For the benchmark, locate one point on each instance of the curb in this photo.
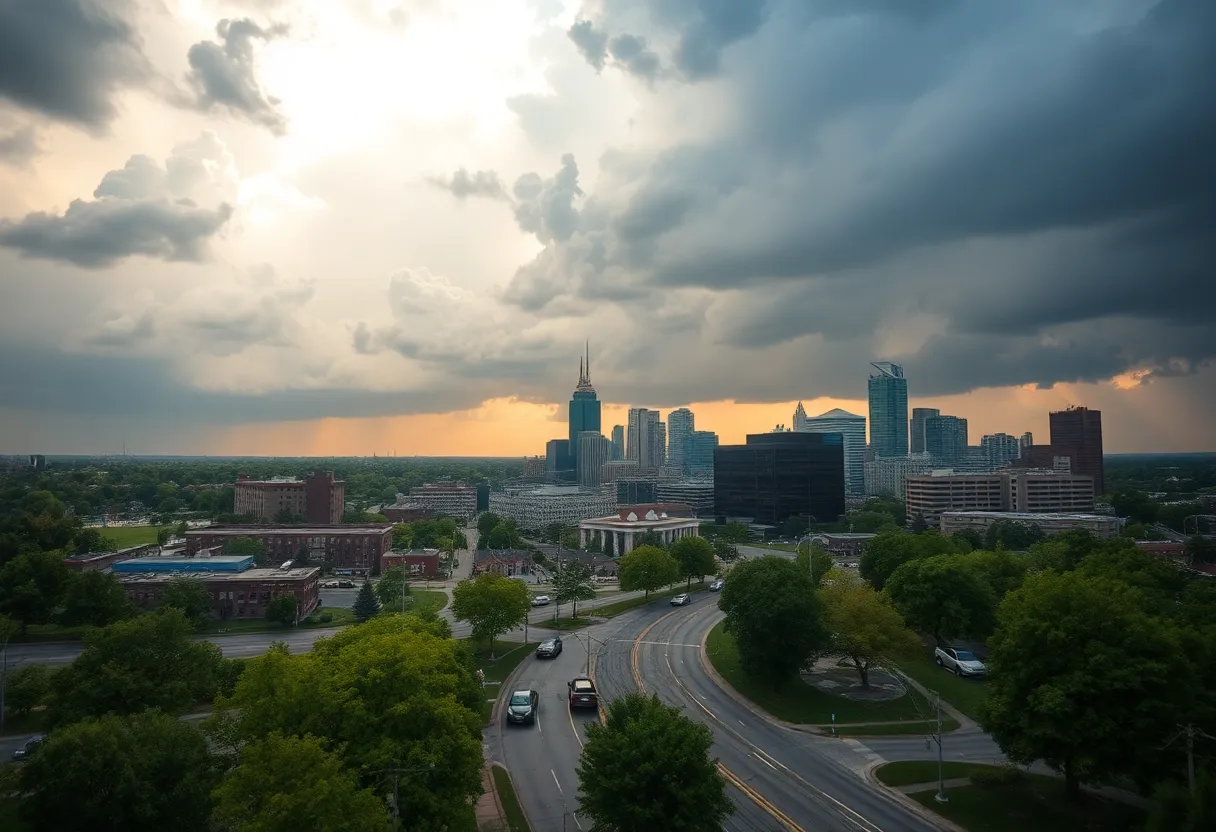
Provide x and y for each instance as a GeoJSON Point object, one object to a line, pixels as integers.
{"type": "Point", "coordinates": [502, 815]}
{"type": "Point", "coordinates": [908, 803]}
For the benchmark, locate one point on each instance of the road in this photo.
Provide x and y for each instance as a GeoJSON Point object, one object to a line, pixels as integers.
{"type": "Point", "coordinates": [780, 779]}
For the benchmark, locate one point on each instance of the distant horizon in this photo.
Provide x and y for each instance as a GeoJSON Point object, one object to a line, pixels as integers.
{"type": "Point", "coordinates": [241, 457]}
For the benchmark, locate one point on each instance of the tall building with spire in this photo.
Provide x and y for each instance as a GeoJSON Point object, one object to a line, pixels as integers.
{"type": "Point", "coordinates": [584, 406]}
{"type": "Point", "coordinates": [799, 417]}
{"type": "Point", "coordinates": [888, 390]}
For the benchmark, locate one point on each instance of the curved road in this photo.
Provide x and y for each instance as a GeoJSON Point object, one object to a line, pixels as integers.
{"type": "Point", "coordinates": [779, 778]}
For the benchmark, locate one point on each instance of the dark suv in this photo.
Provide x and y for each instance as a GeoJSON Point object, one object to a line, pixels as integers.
{"type": "Point", "coordinates": [550, 648]}
{"type": "Point", "coordinates": [521, 708]}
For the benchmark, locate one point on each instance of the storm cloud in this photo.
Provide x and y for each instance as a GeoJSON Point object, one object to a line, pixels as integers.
{"type": "Point", "coordinates": [222, 74]}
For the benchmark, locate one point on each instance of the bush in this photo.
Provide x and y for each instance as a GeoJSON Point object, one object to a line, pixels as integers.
{"type": "Point", "coordinates": [309, 620]}
{"type": "Point", "coordinates": [987, 778]}
{"type": "Point", "coordinates": [326, 617]}
{"type": "Point", "coordinates": [230, 671]}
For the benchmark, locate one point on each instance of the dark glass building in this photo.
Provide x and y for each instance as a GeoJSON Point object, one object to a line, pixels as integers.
{"type": "Point", "coordinates": [945, 438]}
{"type": "Point", "coordinates": [1080, 429]}
{"type": "Point", "coordinates": [888, 390]}
{"type": "Point", "coordinates": [776, 476]}
{"type": "Point", "coordinates": [584, 408]}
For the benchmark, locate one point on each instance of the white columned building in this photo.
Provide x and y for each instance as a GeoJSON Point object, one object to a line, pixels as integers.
{"type": "Point", "coordinates": [619, 533]}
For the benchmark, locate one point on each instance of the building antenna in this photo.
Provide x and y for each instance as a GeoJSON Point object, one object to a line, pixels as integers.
{"type": "Point", "coordinates": [588, 345]}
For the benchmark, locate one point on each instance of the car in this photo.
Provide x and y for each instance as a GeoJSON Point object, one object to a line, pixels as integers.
{"type": "Point", "coordinates": [540, 601]}
{"type": "Point", "coordinates": [27, 750]}
{"type": "Point", "coordinates": [717, 585]}
{"type": "Point", "coordinates": [550, 648]}
{"type": "Point", "coordinates": [962, 662]}
{"type": "Point", "coordinates": [329, 584]}
{"type": "Point", "coordinates": [582, 693]}
{"type": "Point", "coordinates": [680, 600]}
{"type": "Point", "coordinates": [346, 584]}
{"type": "Point", "coordinates": [522, 706]}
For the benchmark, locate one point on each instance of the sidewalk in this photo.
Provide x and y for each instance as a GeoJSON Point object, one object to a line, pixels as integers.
{"type": "Point", "coordinates": [488, 811]}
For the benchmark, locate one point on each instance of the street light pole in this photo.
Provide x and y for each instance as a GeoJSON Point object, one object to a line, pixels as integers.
{"type": "Point", "coordinates": [940, 797]}
{"type": "Point", "coordinates": [396, 773]}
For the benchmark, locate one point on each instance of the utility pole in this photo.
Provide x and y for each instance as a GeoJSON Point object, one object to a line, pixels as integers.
{"type": "Point", "coordinates": [940, 797]}
{"type": "Point", "coordinates": [396, 773]}
{"type": "Point", "coordinates": [1191, 732]}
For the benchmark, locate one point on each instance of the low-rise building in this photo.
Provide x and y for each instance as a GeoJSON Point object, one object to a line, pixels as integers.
{"type": "Point", "coordinates": [697, 493]}
{"type": "Point", "coordinates": [887, 476]}
{"type": "Point", "coordinates": [318, 499]}
{"type": "Point", "coordinates": [1014, 490]}
{"type": "Point", "coordinates": [1174, 550]}
{"type": "Point", "coordinates": [406, 511]}
{"type": "Point", "coordinates": [618, 534]}
{"type": "Point", "coordinates": [1099, 525]}
{"type": "Point", "coordinates": [352, 549]}
{"type": "Point", "coordinates": [447, 499]}
{"type": "Point", "coordinates": [237, 589]}
{"type": "Point", "coordinates": [537, 507]}
{"type": "Point", "coordinates": [844, 544]}
{"type": "Point", "coordinates": [418, 563]}
{"type": "Point", "coordinates": [928, 495]}
{"type": "Point", "coordinates": [101, 561]}
{"type": "Point", "coordinates": [507, 562]}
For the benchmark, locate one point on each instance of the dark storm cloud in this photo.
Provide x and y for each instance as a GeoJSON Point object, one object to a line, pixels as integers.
{"type": "Point", "coordinates": [68, 58]}
{"type": "Point", "coordinates": [1011, 169]}
{"type": "Point", "coordinates": [545, 207]}
{"type": "Point", "coordinates": [482, 183]}
{"type": "Point", "coordinates": [634, 56]}
{"type": "Point", "coordinates": [222, 74]}
{"type": "Point", "coordinates": [592, 43]}
{"type": "Point", "coordinates": [18, 146]}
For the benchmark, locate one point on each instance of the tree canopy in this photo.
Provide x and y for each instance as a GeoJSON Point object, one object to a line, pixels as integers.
{"type": "Point", "coordinates": [283, 609]}
{"type": "Point", "coordinates": [1081, 678]}
{"type": "Point", "coordinates": [648, 767]}
{"type": "Point", "coordinates": [144, 772]}
{"type": "Point", "coordinates": [32, 586]}
{"type": "Point", "coordinates": [1012, 534]}
{"type": "Point", "coordinates": [366, 603]}
{"type": "Point", "coordinates": [492, 605]}
{"type": "Point", "coordinates": [191, 596]}
{"type": "Point", "coordinates": [285, 784]}
{"type": "Point", "coordinates": [572, 583]}
{"type": "Point", "coordinates": [150, 661]}
{"type": "Point", "coordinates": [942, 597]}
{"type": "Point", "coordinates": [695, 557]}
{"type": "Point", "coordinates": [890, 550]}
{"type": "Point", "coordinates": [393, 588]}
{"type": "Point", "coordinates": [775, 617]}
{"type": "Point", "coordinates": [648, 568]}
{"type": "Point", "coordinates": [95, 599]}
{"type": "Point", "coordinates": [248, 547]}
{"type": "Point", "coordinates": [865, 626]}
{"type": "Point", "coordinates": [819, 559]}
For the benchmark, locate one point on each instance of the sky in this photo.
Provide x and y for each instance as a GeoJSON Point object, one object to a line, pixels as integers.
{"type": "Point", "coordinates": [345, 227]}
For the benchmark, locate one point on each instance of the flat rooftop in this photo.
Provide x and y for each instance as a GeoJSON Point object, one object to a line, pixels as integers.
{"type": "Point", "coordinates": [297, 574]}
{"type": "Point", "coordinates": [251, 530]}
{"type": "Point", "coordinates": [219, 563]}
{"type": "Point", "coordinates": [1025, 515]}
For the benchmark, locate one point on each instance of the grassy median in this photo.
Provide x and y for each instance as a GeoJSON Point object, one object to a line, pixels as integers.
{"type": "Point", "coordinates": [967, 695]}
{"type": "Point", "coordinates": [516, 821]}
{"type": "Point", "coordinates": [618, 607]}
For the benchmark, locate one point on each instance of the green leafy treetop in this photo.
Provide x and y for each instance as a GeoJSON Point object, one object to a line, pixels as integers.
{"type": "Point", "coordinates": [775, 617]}
{"type": "Point", "coordinates": [492, 604]}
{"type": "Point", "coordinates": [820, 564]}
{"type": "Point", "coordinates": [650, 538]}
{"type": "Point", "coordinates": [95, 599]}
{"type": "Point", "coordinates": [1082, 679]}
{"type": "Point", "coordinates": [648, 568]}
{"type": "Point", "coordinates": [290, 783]}
{"type": "Point", "coordinates": [648, 767]}
{"type": "Point", "coordinates": [695, 556]}
{"type": "Point", "coordinates": [248, 547]}
{"type": "Point", "coordinates": [393, 588]}
{"type": "Point", "coordinates": [866, 628]}
{"type": "Point", "coordinates": [391, 693]}
{"type": "Point", "coordinates": [32, 586]}
{"type": "Point", "coordinates": [943, 596]}
{"type": "Point", "coordinates": [572, 583]}
{"type": "Point", "coordinates": [283, 609]}
{"type": "Point", "coordinates": [887, 551]}
{"type": "Point", "coordinates": [191, 596]}
{"type": "Point", "coordinates": [142, 772]}
{"type": "Point", "coordinates": [366, 603]}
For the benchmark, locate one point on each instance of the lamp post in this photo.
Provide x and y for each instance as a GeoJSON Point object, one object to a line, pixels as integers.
{"type": "Point", "coordinates": [810, 560]}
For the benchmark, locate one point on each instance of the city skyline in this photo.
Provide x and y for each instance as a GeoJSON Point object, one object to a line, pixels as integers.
{"type": "Point", "coordinates": [341, 228]}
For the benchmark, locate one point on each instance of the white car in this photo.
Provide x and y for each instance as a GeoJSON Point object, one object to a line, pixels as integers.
{"type": "Point", "coordinates": [962, 662]}
{"type": "Point", "coordinates": [680, 600]}
{"type": "Point", "coordinates": [540, 601]}
{"type": "Point", "coordinates": [717, 585]}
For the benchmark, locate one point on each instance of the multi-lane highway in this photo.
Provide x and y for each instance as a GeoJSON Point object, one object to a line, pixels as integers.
{"type": "Point", "coordinates": [779, 778]}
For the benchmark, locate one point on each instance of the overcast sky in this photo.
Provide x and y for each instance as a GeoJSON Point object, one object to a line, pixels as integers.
{"type": "Point", "coordinates": [356, 226]}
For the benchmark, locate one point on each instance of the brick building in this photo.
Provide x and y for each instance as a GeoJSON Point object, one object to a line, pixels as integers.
{"type": "Point", "coordinates": [346, 549]}
{"type": "Point", "coordinates": [237, 590]}
{"type": "Point", "coordinates": [420, 563]}
{"type": "Point", "coordinates": [509, 562]}
{"type": "Point", "coordinates": [101, 561]}
{"type": "Point", "coordinates": [405, 511]}
{"type": "Point", "coordinates": [447, 499]}
{"type": "Point", "coordinates": [317, 499]}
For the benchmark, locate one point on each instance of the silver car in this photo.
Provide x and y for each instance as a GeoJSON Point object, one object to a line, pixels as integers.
{"type": "Point", "coordinates": [717, 585]}
{"type": "Point", "coordinates": [680, 600]}
{"type": "Point", "coordinates": [962, 662]}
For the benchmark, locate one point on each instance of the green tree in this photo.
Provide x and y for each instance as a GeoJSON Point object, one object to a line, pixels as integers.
{"type": "Point", "coordinates": [775, 617]}
{"type": "Point", "coordinates": [151, 661]}
{"type": "Point", "coordinates": [284, 784]}
{"type": "Point", "coordinates": [661, 759]}
{"type": "Point", "coordinates": [1012, 534]}
{"type": "Point", "coordinates": [486, 521]}
{"type": "Point", "coordinates": [247, 547]}
{"type": "Point", "coordinates": [492, 605]}
{"type": "Point", "coordinates": [191, 596]}
{"type": "Point", "coordinates": [971, 537]}
{"type": "Point", "coordinates": [568, 539]}
{"type": "Point", "coordinates": [942, 597]}
{"type": "Point", "coordinates": [1161, 581]}
{"type": "Point", "coordinates": [32, 587]}
{"type": "Point", "coordinates": [1003, 571]}
{"type": "Point", "coordinates": [403, 536]}
{"type": "Point", "coordinates": [822, 560]}
{"type": "Point", "coordinates": [395, 692]}
{"type": "Point", "coordinates": [650, 538]}
{"type": "Point", "coordinates": [26, 688]}
{"type": "Point", "coordinates": [393, 588]}
{"type": "Point", "coordinates": [725, 550]}
{"type": "Point", "coordinates": [145, 771]}
{"type": "Point", "coordinates": [95, 599]}
{"type": "Point", "coordinates": [1178, 810]}
{"type": "Point", "coordinates": [91, 540]}
{"type": "Point", "coordinates": [890, 550]}
{"type": "Point", "coordinates": [695, 556]}
{"type": "Point", "coordinates": [504, 536]}
{"type": "Point", "coordinates": [572, 584]}
{"type": "Point", "coordinates": [367, 605]}
{"type": "Point", "coordinates": [866, 628]}
{"type": "Point", "coordinates": [1063, 552]}
{"type": "Point", "coordinates": [1081, 678]}
{"type": "Point", "coordinates": [648, 568]}
{"type": "Point", "coordinates": [163, 536]}
{"type": "Point", "coordinates": [283, 609]}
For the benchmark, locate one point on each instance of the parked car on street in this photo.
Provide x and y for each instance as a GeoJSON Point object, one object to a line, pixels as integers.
{"type": "Point", "coordinates": [680, 600]}
{"type": "Point", "coordinates": [550, 648]}
{"type": "Point", "coordinates": [582, 693]}
{"type": "Point", "coordinates": [961, 662]}
{"type": "Point", "coordinates": [522, 706]}
{"type": "Point", "coordinates": [540, 601]}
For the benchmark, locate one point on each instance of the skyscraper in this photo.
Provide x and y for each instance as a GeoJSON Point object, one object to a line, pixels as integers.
{"type": "Point", "coordinates": [584, 407]}
{"type": "Point", "coordinates": [776, 476]}
{"type": "Point", "coordinates": [919, 415]}
{"type": "Point", "coordinates": [658, 451]}
{"type": "Point", "coordinates": [888, 391]}
{"type": "Point", "coordinates": [646, 440]}
{"type": "Point", "coordinates": [1080, 428]}
{"type": "Point", "coordinates": [699, 453]}
{"type": "Point", "coordinates": [853, 429]}
{"type": "Point", "coordinates": [799, 416]}
{"type": "Point", "coordinates": [1000, 449]}
{"type": "Point", "coordinates": [946, 438]}
{"type": "Point", "coordinates": [618, 442]}
{"type": "Point", "coordinates": [593, 451]}
{"type": "Point", "coordinates": [680, 425]}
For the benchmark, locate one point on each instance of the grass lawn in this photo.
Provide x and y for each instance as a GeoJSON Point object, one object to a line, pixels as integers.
{"type": "Point", "coordinates": [499, 668]}
{"type": "Point", "coordinates": [1035, 802]}
{"type": "Point", "coordinates": [341, 617]}
{"type": "Point", "coordinates": [799, 702]}
{"type": "Point", "coordinates": [434, 599]}
{"type": "Point", "coordinates": [562, 623]}
{"type": "Point", "coordinates": [910, 772]}
{"type": "Point", "coordinates": [516, 822]}
{"type": "Point", "coordinates": [618, 607]}
{"type": "Point", "coordinates": [965, 694]}
{"type": "Point", "coordinates": [124, 536]}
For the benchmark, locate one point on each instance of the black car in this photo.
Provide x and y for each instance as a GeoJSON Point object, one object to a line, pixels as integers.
{"type": "Point", "coordinates": [521, 708]}
{"type": "Point", "coordinates": [26, 751]}
{"type": "Point", "coordinates": [550, 648]}
{"type": "Point", "coordinates": [346, 584]}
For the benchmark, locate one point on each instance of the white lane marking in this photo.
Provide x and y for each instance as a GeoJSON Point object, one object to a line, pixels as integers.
{"type": "Point", "coordinates": [741, 723]}
{"type": "Point", "coordinates": [662, 643]}
{"type": "Point", "coordinates": [559, 785]}
{"type": "Point", "coordinates": [766, 762]}
{"type": "Point", "coordinates": [576, 823]}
